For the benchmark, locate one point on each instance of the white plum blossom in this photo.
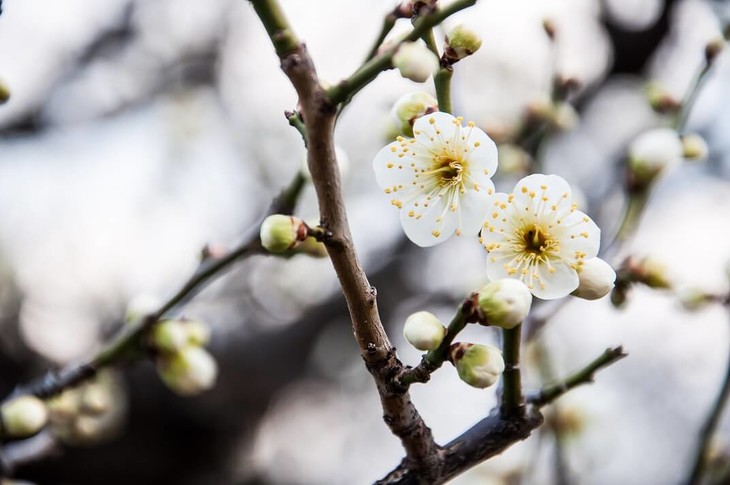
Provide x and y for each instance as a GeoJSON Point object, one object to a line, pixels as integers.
{"type": "Point", "coordinates": [440, 179]}
{"type": "Point", "coordinates": [537, 235]}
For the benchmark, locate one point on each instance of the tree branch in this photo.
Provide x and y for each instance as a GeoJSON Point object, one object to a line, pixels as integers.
{"type": "Point", "coordinates": [319, 114]}
{"type": "Point", "coordinates": [583, 376]}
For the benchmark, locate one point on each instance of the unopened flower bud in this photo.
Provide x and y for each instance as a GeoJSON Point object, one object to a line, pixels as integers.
{"type": "Point", "coordinates": [280, 233]}
{"type": "Point", "coordinates": [564, 117]}
{"type": "Point", "coordinates": [660, 99]}
{"type": "Point", "coordinates": [504, 303]}
{"type": "Point", "coordinates": [461, 42]}
{"type": "Point", "coordinates": [198, 333]}
{"type": "Point", "coordinates": [96, 400]}
{"type": "Point", "coordinates": [409, 108]}
{"type": "Point", "coordinates": [651, 152]}
{"type": "Point", "coordinates": [415, 61]}
{"type": "Point", "coordinates": [693, 299]}
{"type": "Point", "coordinates": [190, 371]}
{"type": "Point", "coordinates": [649, 271]}
{"type": "Point", "coordinates": [169, 335]}
{"type": "Point", "coordinates": [23, 416]}
{"type": "Point", "coordinates": [424, 331]}
{"type": "Point", "coordinates": [478, 365]}
{"type": "Point", "coordinates": [695, 147]}
{"type": "Point", "coordinates": [596, 279]}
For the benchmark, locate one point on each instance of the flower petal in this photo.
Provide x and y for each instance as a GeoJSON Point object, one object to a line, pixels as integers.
{"type": "Point", "coordinates": [434, 129]}
{"type": "Point", "coordinates": [482, 155]}
{"type": "Point", "coordinates": [474, 207]}
{"type": "Point", "coordinates": [557, 283]}
{"type": "Point", "coordinates": [427, 223]}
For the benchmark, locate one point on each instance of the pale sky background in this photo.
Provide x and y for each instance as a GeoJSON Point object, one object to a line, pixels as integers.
{"type": "Point", "coordinates": [127, 179]}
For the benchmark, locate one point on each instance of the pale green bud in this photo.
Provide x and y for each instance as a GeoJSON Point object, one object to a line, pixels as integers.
{"type": "Point", "coordinates": [692, 299]}
{"type": "Point", "coordinates": [653, 151]}
{"type": "Point", "coordinates": [653, 273]}
{"type": "Point", "coordinates": [409, 108]}
{"type": "Point", "coordinates": [424, 331]}
{"type": "Point", "coordinates": [461, 42]}
{"type": "Point", "coordinates": [198, 333]}
{"type": "Point", "coordinates": [280, 233]}
{"type": "Point", "coordinates": [96, 400]}
{"type": "Point", "coordinates": [660, 99]}
{"type": "Point", "coordinates": [415, 61]}
{"type": "Point", "coordinates": [23, 416]}
{"type": "Point", "coordinates": [478, 365]}
{"type": "Point", "coordinates": [694, 147]}
{"type": "Point", "coordinates": [189, 371]}
{"type": "Point", "coordinates": [504, 303]}
{"type": "Point", "coordinates": [596, 279]}
{"type": "Point", "coordinates": [169, 335]}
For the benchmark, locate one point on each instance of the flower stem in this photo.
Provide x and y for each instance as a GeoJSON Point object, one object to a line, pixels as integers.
{"type": "Point", "coordinates": [381, 62]}
{"type": "Point", "coordinates": [442, 82]}
{"type": "Point", "coordinates": [689, 100]}
{"type": "Point", "coordinates": [513, 402]}
{"type": "Point", "coordinates": [276, 25]}
{"type": "Point", "coordinates": [634, 208]}
{"type": "Point", "coordinates": [434, 359]}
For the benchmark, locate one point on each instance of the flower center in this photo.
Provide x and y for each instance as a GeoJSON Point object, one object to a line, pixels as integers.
{"type": "Point", "coordinates": [451, 171]}
{"type": "Point", "coordinates": [537, 241]}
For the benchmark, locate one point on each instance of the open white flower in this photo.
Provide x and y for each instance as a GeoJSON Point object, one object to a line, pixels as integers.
{"type": "Point", "coordinates": [537, 235]}
{"type": "Point", "coordinates": [440, 180]}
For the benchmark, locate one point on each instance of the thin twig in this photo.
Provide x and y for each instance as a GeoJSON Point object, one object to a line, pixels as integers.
{"type": "Point", "coordinates": [584, 376]}
{"type": "Point", "coordinates": [709, 428]}
{"type": "Point", "coordinates": [513, 401]}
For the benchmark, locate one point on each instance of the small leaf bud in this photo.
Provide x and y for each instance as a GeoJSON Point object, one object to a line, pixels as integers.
{"type": "Point", "coordinates": [596, 279]}
{"type": "Point", "coordinates": [424, 331]}
{"type": "Point", "coordinates": [653, 273]}
{"type": "Point", "coordinates": [548, 25]}
{"type": "Point", "coordinates": [693, 299]}
{"type": "Point", "coordinates": [713, 49]}
{"type": "Point", "coordinates": [280, 233]}
{"type": "Point", "coordinates": [190, 371]}
{"type": "Point", "coordinates": [478, 365]}
{"type": "Point", "coordinates": [504, 303]}
{"type": "Point", "coordinates": [409, 108]}
{"type": "Point", "coordinates": [651, 152]}
{"type": "Point", "coordinates": [23, 416]}
{"type": "Point", "coordinates": [461, 42]}
{"type": "Point", "coordinates": [415, 61]}
{"type": "Point", "coordinates": [4, 92]}
{"type": "Point", "coordinates": [695, 147]}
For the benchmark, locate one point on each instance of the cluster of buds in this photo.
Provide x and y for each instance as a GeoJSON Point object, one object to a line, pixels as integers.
{"type": "Point", "coordinates": [90, 413]}
{"type": "Point", "coordinates": [22, 416]}
{"type": "Point", "coordinates": [182, 362]}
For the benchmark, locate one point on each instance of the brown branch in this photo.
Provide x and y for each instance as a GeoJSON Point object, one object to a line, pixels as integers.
{"type": "Point", "coordinates": [489, 437]}
{"type": "Point", "coordinates": [319, 117]}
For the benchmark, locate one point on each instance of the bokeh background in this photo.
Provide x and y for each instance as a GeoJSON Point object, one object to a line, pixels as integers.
{"type": "Point", "coordinates": [138, 131]}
